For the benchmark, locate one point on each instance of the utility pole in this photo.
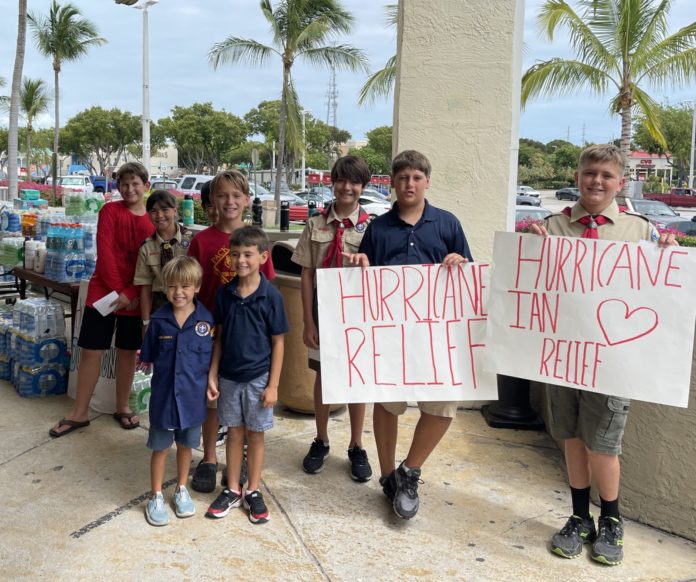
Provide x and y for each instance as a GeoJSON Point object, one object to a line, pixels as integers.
{"type": "Point", "coordinates": [693, 144]}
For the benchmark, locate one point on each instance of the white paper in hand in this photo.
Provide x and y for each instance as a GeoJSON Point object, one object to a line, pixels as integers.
{"type": "Point", "coordinates": [104, 305]}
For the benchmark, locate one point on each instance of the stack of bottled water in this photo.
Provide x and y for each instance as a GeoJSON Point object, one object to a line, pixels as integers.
{"type": "Point", "coordinates": [11, 251]}
{"type": "Point", "coordinates": [65, 254]}
{"type": "Point", "coordinates": [5, 356]}
{"type": "Point", "coordinates": [37, 348]}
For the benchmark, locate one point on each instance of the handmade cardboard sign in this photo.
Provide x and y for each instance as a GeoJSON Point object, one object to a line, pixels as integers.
{"type": "Point", "coordinates": [408, 332]}
{"type": "Point", "coordinates": [605, 316]}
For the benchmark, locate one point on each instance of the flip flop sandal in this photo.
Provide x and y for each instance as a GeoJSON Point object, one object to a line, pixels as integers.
{"type": "Point", "coordinates": [121, 416]}
{"type": "Point", "coordinates": [204, 477]}
{"type": "Point", "coordinates": [73, 424]}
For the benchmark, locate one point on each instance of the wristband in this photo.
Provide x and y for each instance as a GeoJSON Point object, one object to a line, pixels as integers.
{"type": "Point", "coordinates": [146, 322]}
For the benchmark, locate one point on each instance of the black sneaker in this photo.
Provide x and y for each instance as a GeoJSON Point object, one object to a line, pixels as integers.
{"type": "Point", "coordinates": [258, 512]}
{"type": "Point", "coordinates": [608, 547]}
{"type": "Point", "coordinates": [243, 474]}
{"type": "Point", "coordinates": [577, 531]}
{"type": "Point", "coordinates": [223, 503]}
{"type": "Point", "coordinates": [204, 477]}
{"type": "Point", "coordinates": [406, 501]}
{"type": "Point", "coordinates": [314, 460]}
{"type": "Point", "coordinates": [360, 469]}
{"type": "Point", "coordinates": [388, 484]}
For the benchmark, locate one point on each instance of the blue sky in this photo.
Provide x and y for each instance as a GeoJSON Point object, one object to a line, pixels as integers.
{"type": "Point", "coordinates": [182, 32]}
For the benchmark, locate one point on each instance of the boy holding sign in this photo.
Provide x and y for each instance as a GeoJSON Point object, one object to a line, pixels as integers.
{"type": "Point", "coordinates": [592, 424]}
{"type": "Point", "coordinates": [412, 233]}
{"type": "Point", "coordinates": [340, 227]}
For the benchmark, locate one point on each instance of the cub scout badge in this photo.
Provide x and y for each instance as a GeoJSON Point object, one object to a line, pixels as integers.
{"type": "Point", "coordinates": [360, 227]}
{"type": "Point", "coordinates": [202, 328]}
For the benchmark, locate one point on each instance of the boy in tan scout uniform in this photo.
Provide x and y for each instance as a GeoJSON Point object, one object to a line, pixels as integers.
{"type": "Point", "coordinates": [339, 228]}
{"type": "Point", "coordinates": [591, 424]}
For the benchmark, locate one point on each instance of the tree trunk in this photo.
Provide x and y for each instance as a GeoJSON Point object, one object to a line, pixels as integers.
{"type": "Point", "coordinates": [626, 143]}
{"type": "Point", "coordinates": [29, 130]}
{"type": "Point", "coordinates": [56, 129]}
{"type": "Point", "coordinates": [13, 136]}
{"type": "Point", "coordinates": [281, 138]}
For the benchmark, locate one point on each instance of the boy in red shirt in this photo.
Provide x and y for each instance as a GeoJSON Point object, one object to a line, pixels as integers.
{"type": "Point", "coordinates": [123, 226]}
{"type": "Point", "coordinates": [229, 192]}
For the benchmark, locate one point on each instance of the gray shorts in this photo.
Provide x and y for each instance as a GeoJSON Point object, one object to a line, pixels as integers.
{"type": "Point", "coordinates": [160, 439]}
{"type": "Point", "coordinates": [240, 404]}
{"type": "Point", "coordinates": [597, 420]}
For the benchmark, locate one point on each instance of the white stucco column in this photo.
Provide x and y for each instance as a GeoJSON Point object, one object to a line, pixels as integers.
{"type": "Point", "coordinates": [457, 100]}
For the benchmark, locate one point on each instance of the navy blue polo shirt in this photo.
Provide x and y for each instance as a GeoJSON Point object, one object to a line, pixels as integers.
{"type": "Point", "coordinates": [247, 325]}
{"type": "Point", "coordinates": [391, 241]}
{"type": "Point", "coordinates": [181, 358]}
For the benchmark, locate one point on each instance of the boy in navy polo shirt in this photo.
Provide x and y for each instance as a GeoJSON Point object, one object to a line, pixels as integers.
{"type": "Point", "coordinates": [250, 322]}
{"type": "Point", "coordinates": [179, 342]}
{"type": "Point", "coordinates": [412, 233]}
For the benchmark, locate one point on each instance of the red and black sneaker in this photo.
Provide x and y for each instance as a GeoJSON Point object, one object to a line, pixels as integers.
{"type": "Point", "coordinates": [224, 502]}
{"type": "Point", "coordinates": [258, 512]}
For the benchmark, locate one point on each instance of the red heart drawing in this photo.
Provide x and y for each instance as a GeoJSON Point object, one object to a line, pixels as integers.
{"type": "Point", "coordinates": [610, 315]}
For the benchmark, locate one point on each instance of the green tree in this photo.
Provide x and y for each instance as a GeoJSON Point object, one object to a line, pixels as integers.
{"type": "Point", "coordinates": [102, 134]}
{"type": "Point", "coordinates": [675, 122]}
{"type": "Point", "coordinates": [62, 36]}
{"type": "Point", "coordinates": [621, 47]}
{"type": "Point", "coordinates": [242, 154]}
{"type": "Point", "coordinates": [380, 84]}
{"type": "Point", "coordinates": [300, 29]}
{"type": "Point", "coordinates": [379, 140]}
{"type": "Point", "coordinates": [204, 137]}
{"type": "Point", "coordinates": [15, 96]}
{"type": "Point", "coordinates": [33, 101]}
{"type": "Point", "coordinates": [374, 160]}
{"type": "Point", "coordinates": [264, 120]}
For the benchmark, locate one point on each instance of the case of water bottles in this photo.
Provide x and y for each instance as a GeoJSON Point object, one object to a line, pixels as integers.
{"type": "Point", "coordinates": [139, 398]}
{"type": "Point", "coordinates": [41, 381]}
{"type": "Point", "coordinates": [37, 318]}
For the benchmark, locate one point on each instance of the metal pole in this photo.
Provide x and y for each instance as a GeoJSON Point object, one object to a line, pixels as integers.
{"type": "Point", "coordinates": [146, 91]}
{"type": "Point", "coordinates": [693, 142]}
{"type": "Point", "coordinates": [304, 149]}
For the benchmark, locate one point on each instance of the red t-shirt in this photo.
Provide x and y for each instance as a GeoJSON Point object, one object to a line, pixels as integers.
{"type": "Point", "coordinates": [119, 236]}
{"type": "Point", "coordinates": [211, 248]}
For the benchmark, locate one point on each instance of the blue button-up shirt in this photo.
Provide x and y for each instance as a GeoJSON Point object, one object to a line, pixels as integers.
{"type": "Point", "coordinates": [391, 241]}
{"type": "Point", "coordinates": [247, 324]}
{"type": "Point", "coordinates": [181, 358]}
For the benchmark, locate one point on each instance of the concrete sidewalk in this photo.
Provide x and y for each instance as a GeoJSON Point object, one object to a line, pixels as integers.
{"type": "Point", "coordinates": [491, 500]}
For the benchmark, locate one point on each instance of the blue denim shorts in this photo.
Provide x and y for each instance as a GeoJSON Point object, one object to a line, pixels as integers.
{"type": "Point", "coordinates": [240, 404]}
{"type": "Point", "coordinates": [159, 439]}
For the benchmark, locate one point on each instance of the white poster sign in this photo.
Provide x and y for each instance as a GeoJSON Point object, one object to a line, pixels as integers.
{"type": "Point", "coordinates": [611, 317]}
{"type": "Point", "coordinates": [104, 398]}
{"type": "Point", "coordinates": [399, 333]}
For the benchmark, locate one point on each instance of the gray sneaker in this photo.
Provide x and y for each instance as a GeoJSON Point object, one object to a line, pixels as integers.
{"type": "Point", "coordinates": [608, 547]}
{"type": "Point", "coordinates": [406, 501]}
{"type": "Point", "coordinates": [183, 504]}
{"type": "Point", "coordinates": [156, 512]}
{"type": "Point", "coordinates": [577, 531]}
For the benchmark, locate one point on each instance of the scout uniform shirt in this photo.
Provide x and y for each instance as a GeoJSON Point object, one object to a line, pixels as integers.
{"type": "Point", "coordinates": [622, 226]}
{"type": "Point", "coordinates": [319, 234]}
{"type": "Point", "coordinates": [152, 253]}
{"type": "Point", "coordinates": [181, 358]}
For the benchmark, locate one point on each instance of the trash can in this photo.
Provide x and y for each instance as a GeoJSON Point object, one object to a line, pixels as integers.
{"type": "Point", "coordinates": [296, 388]}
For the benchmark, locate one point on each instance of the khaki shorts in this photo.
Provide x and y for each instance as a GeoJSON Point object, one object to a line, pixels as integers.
{"type": "Point", "coordinates": [597, 420]}
{"type": "Point", "coordinates": [446, 409]}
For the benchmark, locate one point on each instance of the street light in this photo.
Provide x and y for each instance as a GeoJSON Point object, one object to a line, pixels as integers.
{"type": "Point", "coordinates": [304, 149]}
{"type": "Point", "coordinates": [144, 5]}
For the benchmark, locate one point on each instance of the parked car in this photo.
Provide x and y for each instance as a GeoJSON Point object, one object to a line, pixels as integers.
{"type": "Point", "coordinates": [527, 200]}
{"type": "Point", "coordinates": [662, 216]}
{"type": "Point", "coordinates": [531, 213]}
{"type": "Point", "coordinates": [568, 194]}
{"type": "Point", "coordinates": [76, 183]}
{"type": "Point", "coordinates": [256, 188]}
{"type": "Point", "coordinates": [162, 184]}
{"type": "Point", "coordinates": [527, 191]}
{"type": "Point", "coordinates": [192, 183]}
{"type": "Point", "coordinates": [373, 206]}
{"type": "Point", "coordinates": [372, 191]}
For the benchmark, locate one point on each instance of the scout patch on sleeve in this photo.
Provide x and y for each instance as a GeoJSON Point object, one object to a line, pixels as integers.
{"type": "Point", "coordinates": [203, 328]}
{"type": "Point", "coordinates": [360, 227]}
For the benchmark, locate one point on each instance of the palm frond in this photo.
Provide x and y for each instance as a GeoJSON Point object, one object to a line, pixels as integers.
{"type": "Point", "coordinates": [653, 31]}
{"type": "Point", "coordinates": [235, 50]}
{"type": "Point", "coordinates": [649, 109]}
{"type": "Point", "coordinates": [562, 77]}
{"type": "Point", "coordinates": [343, 56]}
{"type": "Point", "coordinates": [652, 62]}
{"type": "Point", "coordinates": [33, 98]}
{"type": "Point", "coordinates": [676, 70]}
{"type": "Point", "coordinates": [392, 15]}
{"type": "Point", "coordinates": [274, 20]}
{"type": "Point", "coordinates": [293, 123]}
{"type": "Point", "coordinates": [380, 84]}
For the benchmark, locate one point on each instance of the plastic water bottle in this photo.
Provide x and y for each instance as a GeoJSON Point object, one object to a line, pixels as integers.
{"type": "Point", "coordinates": [188, 209]}
{"type": "Point", "coordinates": [139, 398]}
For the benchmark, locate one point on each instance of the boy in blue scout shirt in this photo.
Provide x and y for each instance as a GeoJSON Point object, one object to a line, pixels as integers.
{"type": "Point", "coordinates": [179, 342]}
{"type": "Point", "coordinates": [250, 323]}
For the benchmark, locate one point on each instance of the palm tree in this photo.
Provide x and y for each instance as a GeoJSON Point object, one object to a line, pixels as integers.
{"type": "Point", "coordinates": [621, 47]}
{"type": "Point", "coordinates": [33, 100]}
{"type": "Point", "coordinates": [62, 36]}
{"type": "Point", "coordinates": [300, 30]}
{"type": "Point", "coordinates": [13, 132]}
{"type": "Point", "coordinates": [380, 84]}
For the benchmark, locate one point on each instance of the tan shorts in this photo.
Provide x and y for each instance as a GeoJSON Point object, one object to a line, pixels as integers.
{"type": "Point", "coordinates": [446, 409]}
{"type": "Point", "coordinates": [596, 419]}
